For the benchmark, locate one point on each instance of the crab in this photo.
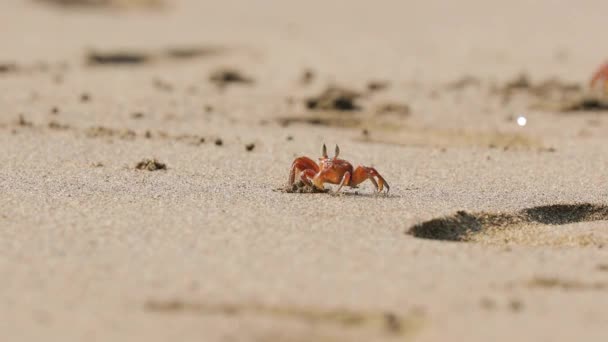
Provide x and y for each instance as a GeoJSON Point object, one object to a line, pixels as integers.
{"type": "Point", "coordinates": [334, 171]}
{"type": "Point", "coordinates": [600, 78]}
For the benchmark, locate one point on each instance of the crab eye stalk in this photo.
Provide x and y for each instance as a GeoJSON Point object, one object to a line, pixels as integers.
{"type": "Point", "coordinates": [337, 152]}
{"type": "Point", "coordinates": [324, 151]}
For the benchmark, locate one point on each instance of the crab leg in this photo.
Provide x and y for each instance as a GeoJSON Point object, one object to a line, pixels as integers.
{"type": "Point", "coordinates": [600, 75]}
{"type": "Point", "coordinates": [302, 164]}
{"type": "Point", "coordinates": [362, 173]}
{"type": "Point", "coordinates": [345, 181]}
{"type": "Point", "coordinates": [307, 175]}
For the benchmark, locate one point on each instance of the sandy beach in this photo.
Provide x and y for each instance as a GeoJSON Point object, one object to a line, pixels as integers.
{"type": "Point", "coordinates": [146, 147]}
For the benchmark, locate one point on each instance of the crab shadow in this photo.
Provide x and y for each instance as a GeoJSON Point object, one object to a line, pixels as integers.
{"type": "Point", "coordinates": [359, 194]}
{"type": "Point", "coordinates": [462, 225]}
{"type": "Point", "coordinates": [344, 193]}
{"type": "Point", "coordinates": [301, 188]}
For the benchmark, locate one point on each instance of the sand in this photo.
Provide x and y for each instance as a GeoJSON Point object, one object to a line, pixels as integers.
{"type": "Point", "coordinates": [143, 145]}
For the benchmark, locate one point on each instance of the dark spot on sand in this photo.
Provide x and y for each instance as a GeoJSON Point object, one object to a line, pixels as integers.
{"type": "Point", "coordinates": [386, 322]}
{"type": "Point", "coordinates": [392, 323]}
{"type": "Point", "coordinates": [192, 52]}
{"type": "Point", "coordinates": [105, 132]}
{"type": "Point", "coordinates": [516, 305]}
{"type": "Point", "coordinates": [374, 86]}
{"type": "Point", "coordinates": [563, 284]}
{"type": "Point", "coordinates": [105, 3]}
{"type": "Point", "coordinates": [219, 142]}
{"type": "Point", "coordinates": [55, 110]}
{"type": "Point", "coordinates": [6, 68]}
{"type": "Point", "coordinates": [58, 126]}
{"type": "Point", "coordinates": [521, 81]}
{"type": "Point", "coordinates": [191, 139]}
{"type": "Point", "coordinates": [289, 138]}
{"type": "Point", "coordinates": [225, 76]}
{"type": "Point", "coordinates": [137, 115]}
{"type": "Point", "coordinates": [85, 97]}
{"type": "Point", "coordinates": [95, 58]}
{"type": "Point", "coordinates": [21, 121]}
{"type": "Point", "coordinates": [334, 98]}
{"type": "Point", "coordinates": [307, 77]}
{"type": "Point", "coordinates": [602, 267]}
{"type": "Point", "coordinates": [135, 57]}
{"type": "Point", "coordinates": [250, 147]}
{"type": "Point", "coordinates": [150, 165]}
{"type": "Point", "coordinates": [208, 109]}
{"type": "Point", "coordinates": [321, 120]}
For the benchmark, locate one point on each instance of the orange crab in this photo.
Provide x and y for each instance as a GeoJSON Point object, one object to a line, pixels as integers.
{"type": "Point", "coordinates": [334, 171]}
{"type": "Point", "coordinates": [600, 77]}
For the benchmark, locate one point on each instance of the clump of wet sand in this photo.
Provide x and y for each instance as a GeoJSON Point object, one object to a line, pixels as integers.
{"type": "Point", "coordinates": [302, 188]}
{"type": "Point", "coordinates": [150, 165]}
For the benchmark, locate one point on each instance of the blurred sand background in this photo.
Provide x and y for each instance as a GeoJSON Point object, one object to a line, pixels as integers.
{"type": "Point", "coordinates": [91, 248]}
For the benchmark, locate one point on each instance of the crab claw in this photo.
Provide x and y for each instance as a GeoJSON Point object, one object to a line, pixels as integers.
{"type": "Point", "coordinates": [363, 173]}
